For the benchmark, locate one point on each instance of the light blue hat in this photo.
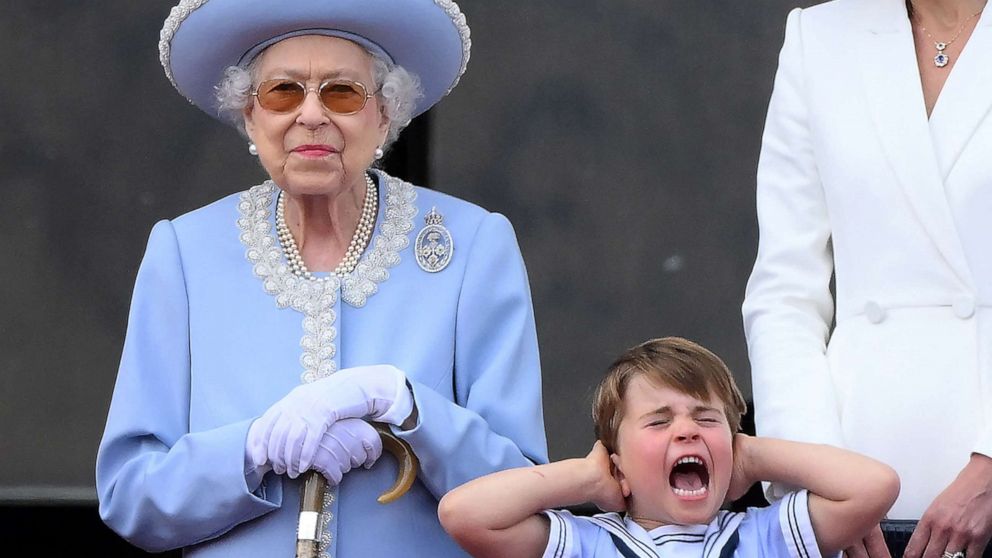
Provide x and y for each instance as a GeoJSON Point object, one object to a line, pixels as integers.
{"type": "Point", "coordinates": [201, 38]}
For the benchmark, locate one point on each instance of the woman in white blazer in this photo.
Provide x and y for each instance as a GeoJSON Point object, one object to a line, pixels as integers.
{"type": "Point", "coordinates": [886, 186]}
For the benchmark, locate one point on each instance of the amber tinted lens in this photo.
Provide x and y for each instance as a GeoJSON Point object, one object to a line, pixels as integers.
{"type": "Point", "coordinates": [280, 95]}
{"type": "Point", "coordinates": [343, 97]}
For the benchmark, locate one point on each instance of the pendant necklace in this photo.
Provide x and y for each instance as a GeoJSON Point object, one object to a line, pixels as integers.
{"type": "Point", "coordinates": [942, 58]}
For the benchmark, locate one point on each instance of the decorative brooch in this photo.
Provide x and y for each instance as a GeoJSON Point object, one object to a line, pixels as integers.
{"type": "Point", "coordinates": [434, 246]}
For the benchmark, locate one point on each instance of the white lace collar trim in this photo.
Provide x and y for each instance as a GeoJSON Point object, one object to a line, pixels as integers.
{"type": "Point", "coordinates": [316, 299]}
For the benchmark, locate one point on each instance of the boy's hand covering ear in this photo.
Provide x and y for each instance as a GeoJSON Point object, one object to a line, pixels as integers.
{"type": "Point", "coordinates": [606, 492]}
{"type": "Point", "coordinates": [740, 479]}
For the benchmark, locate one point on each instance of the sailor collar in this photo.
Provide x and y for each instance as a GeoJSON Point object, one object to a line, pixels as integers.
{"type": "Point", "coordinates": [718, 539]}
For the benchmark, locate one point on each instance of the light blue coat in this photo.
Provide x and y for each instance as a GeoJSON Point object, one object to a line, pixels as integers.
{"type": "Point", "coordinates": [208, 349]}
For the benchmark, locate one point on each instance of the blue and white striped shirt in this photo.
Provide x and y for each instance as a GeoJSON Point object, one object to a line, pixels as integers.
{"type": "Point", "coordinates": [781, 530]}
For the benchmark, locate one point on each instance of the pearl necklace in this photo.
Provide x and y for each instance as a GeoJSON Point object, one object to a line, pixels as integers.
{"type": "Point", "coordinates": [358, 242]}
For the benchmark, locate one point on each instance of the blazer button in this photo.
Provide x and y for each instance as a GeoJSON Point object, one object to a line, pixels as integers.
{"type": "Point", "coordinates": [874, 312]}
{"type": "Point", "coordinates": [964, 307]}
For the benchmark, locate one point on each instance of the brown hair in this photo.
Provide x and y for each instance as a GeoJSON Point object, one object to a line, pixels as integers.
{"type": "Point", "coordinates": [674, 362]}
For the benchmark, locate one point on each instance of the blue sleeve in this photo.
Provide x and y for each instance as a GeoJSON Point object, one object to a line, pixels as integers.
{"type": "Point", "coordinates": [159, 485]}
{"type": "Point", "coordinates": [781, 530]}
{"type": "Point", "coordinates": [496, 421]}
{"type": "Point", "coordinates": [576, 537]}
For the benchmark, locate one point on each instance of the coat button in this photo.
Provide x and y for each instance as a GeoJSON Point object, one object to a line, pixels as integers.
{"type": "Point", "coordinates": [874, 312]}
{"type": "Point", "coordinates": [964, 307]}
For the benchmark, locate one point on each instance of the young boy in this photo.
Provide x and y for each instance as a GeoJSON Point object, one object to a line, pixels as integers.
{"type": "Point", "coordinates": [666, 416]}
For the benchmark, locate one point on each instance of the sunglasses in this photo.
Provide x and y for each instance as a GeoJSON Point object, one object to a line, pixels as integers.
{"type": "Point", "coordinates": [340, 96]}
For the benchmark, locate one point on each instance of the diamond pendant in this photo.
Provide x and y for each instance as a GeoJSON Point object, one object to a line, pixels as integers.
{"type": "Point", "coordinates": [941, 59]}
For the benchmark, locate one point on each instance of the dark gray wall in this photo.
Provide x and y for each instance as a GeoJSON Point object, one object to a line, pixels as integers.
{"type": "Point", "coordinates": [620, 137]}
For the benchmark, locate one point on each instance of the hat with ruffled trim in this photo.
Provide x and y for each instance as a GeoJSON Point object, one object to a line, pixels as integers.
{"type": "Point", "coordinates": [201, 38]}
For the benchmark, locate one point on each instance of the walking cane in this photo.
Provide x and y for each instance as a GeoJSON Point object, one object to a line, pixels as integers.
{"type": "Point", "coordinates": [315, 487]}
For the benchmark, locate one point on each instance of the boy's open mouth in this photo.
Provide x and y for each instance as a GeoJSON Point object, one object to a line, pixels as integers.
{"type": "Point", "coordinates": [689, 477]}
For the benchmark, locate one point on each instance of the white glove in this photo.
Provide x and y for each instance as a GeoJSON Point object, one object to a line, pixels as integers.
{"type": "Point", "coordinates": [287, 435]}
{"type": "Point", "coordinates": [348, 443]}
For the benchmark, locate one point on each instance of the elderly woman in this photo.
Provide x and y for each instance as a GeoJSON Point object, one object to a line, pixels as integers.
{"type": "Point", "coordinates": [267, 328]}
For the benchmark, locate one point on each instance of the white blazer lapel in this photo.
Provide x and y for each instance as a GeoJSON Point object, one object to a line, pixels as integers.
{"type": "Point", "coordinates": [891, 79]}
{"type": "Point", "coordinates": [966, 99]}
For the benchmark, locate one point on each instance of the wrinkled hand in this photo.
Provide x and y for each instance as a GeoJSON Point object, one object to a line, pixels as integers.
{"type": "Point", "coordinates": [960, 518]}
{"type": "Point", "coordinates": [740, 479]}
{"type": "Point", "coordinates": [872, 546]}
{"type": "Point", "coordinates": [606, 493]}
{"type": "Point", "coordinates": [287, 435]}
{"type": "Point", "coordinates": [347, 444]}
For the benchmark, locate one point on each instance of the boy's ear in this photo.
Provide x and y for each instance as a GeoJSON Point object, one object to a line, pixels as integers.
{"type": "Point", "coordinates": [617, 470]}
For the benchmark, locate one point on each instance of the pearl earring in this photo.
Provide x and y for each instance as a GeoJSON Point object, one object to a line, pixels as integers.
{"type": "Point", "coordinates": [378, 153]}
{"type": "Point", "coordinates": [252, 149]}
